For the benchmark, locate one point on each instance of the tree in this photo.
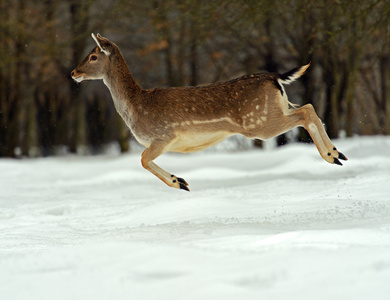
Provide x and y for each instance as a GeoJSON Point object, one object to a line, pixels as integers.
{"type": "Point", "coordinates": [186, 43]}
{"type": "Point", "coordinates": [79, 25]}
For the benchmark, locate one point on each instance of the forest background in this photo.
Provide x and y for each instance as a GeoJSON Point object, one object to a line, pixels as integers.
{"type": "Point", "coordinates": [173, 43]}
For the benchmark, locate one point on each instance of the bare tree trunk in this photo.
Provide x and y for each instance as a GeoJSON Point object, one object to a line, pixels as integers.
{"type": "Point", "coordinates": [79, 25]}
{"type": "Point", "coordinates": [25, 123]}
{"type": "Point", "coordinates": [180, 78]}
{"type": "Point", "coordinates": [384, 116]}
{"type": "Point", "coordinates": [161, 20]}
{"type": "Point", "coordinates": [349, 92]}
{"type": "Point", "coordinates": [194, 60]}
{"type": "Point", "coordinates": [351, 73]}
{"type": "Point", "coordinates": [29, 134]}
{"type": "Point", "coordinates": [194, 67]}
{"type": "Point", "coordinates": [332, 119]}
{"type": "Point", "coordinates": [4, 81]}
{"type": "Point", "coordinates": [49, 105]}
{"type": "Point", "coordinates": [169, 59]}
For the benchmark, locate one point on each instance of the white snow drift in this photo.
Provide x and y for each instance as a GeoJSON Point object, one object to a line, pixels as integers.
{"type": "Point", "coordinates": [280, 224]}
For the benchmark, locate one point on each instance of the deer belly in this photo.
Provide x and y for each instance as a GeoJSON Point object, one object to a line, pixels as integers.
{"type": "Point", "coordinates": [197, 141]}
{"type": "Point", "coordinates": [143, 140]}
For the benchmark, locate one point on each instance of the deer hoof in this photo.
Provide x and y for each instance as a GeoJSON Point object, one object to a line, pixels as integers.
{"type": "Point", "coordinates": [337, 162]}
{"type": "Point", "coordinates": [181, 180]}
{"type": "Point", "coordinates": [342, 156]}
{"type": "Point", "coordinates": [184, 187]}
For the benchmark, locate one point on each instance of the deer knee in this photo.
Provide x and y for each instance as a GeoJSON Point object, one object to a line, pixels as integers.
{"type": "Point", "coordinates": [145, 164]}
{"type": "Point", "coordinates": [308, 106]}
{"type": "Point", "coordinates": [308, 114]}
{"type": "Point", "coordinates": [311, 111]}
{"type": "Point", "coordinates": [144, 160]}
{"type": "Point", "coordinates": [308, 109]}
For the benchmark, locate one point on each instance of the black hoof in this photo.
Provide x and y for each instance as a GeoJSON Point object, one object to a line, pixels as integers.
{"type": "Point", "coordinates": [184, 187]}
{"type": "Point", "coordinates": [342, 156]}
{"type": "Point", "coordinates": [337, 162]}
{"type": "Point", "coordinates": [182, 180]}
{"type": "Point", "coordinates": [182, 183]}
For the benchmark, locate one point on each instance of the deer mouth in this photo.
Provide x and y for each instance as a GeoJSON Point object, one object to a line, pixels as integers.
{"type": "Point", "coordinates": [77, 76]}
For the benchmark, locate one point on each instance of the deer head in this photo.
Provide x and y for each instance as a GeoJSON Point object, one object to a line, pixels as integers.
{"type": "Point", "coordinates": [95, 65]}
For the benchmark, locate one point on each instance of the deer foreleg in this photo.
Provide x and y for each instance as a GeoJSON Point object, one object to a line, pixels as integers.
{"type": "Point", "coordinates": [310, 121]}
{"type": "Point", "coordinates": [150, 154]}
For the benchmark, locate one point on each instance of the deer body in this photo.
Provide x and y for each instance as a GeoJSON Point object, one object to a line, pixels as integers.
{"type": "Point", "coordinates": [189, 119]}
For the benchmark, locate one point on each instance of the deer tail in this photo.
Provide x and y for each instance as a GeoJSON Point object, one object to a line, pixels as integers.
{"type": "Point", "coordinates": [293, 75]}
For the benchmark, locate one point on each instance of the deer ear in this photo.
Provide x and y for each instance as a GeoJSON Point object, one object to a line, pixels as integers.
{"type": "Point", "coordinates": [103, 44]}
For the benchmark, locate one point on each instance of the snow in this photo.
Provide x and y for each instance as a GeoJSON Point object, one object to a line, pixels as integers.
{"type": "Point", "coordinates": [280, 224]}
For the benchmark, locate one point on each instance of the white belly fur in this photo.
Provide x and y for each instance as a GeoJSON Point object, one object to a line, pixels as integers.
{"type": "Point", "coordinates": [196, 141]}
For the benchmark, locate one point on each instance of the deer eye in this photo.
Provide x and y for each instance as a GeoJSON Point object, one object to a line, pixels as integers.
{"type": "Point", "coordinates": [93, 57]}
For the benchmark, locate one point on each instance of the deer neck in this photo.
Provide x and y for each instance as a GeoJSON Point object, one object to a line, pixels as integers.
{"type": "Point", "coordinates": [124, 90]}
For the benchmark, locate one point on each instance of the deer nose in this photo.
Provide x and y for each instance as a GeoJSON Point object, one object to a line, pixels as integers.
{"type": "Point", "coordinates": [71, 74]}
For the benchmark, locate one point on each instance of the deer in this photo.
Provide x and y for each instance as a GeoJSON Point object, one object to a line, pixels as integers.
{"type": "Point", "coordinates": [193, 118]}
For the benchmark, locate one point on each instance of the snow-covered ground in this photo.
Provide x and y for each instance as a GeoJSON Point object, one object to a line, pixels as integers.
{"type": "Point", "coordinates": [280, 224]}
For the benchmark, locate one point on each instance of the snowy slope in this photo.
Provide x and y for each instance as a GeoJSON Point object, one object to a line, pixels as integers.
{"type": "Point", "coordinates": [280, 224]}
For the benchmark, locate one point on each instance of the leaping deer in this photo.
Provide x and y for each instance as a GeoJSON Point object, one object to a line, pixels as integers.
{"type": "Point", "coordinates": [189, 119]}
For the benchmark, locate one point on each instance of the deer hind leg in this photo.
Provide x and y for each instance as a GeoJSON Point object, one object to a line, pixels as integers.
{"type": "Point", "coordinates": [150, 154]}
{"type": "Point", "coordinates": [307, 117]}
